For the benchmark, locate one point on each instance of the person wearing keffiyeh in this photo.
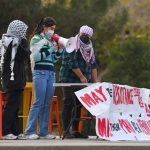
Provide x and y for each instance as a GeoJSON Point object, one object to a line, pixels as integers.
{"type": "Point", "coordinates": [13, 51]}
{"type": "Point", "coordinates": [77, 67]}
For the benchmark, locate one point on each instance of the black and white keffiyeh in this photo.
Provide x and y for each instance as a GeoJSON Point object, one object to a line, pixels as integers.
{"type": "Point", "coordinates": [15, 32]}
{"type": "Point", "coordinates": [18, 29]}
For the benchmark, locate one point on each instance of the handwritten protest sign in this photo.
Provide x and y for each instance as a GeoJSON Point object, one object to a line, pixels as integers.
{"type": "Point", "coordinates": [122, 111]}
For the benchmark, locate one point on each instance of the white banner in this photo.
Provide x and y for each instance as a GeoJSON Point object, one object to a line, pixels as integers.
{"type": "Point", "coordinates": [121, 111]}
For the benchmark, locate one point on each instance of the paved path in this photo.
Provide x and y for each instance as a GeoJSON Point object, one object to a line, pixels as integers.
{"type": "Point", "coordinates": [74, 144]}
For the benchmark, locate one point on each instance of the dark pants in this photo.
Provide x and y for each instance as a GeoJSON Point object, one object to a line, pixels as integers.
{"type": "Point", "coordinates": [10, 120]}
{"type": "Point", "coordinates": [70, 103]}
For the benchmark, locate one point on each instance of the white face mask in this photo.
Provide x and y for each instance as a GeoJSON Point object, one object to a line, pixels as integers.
{"type": "Point", "coordinates": [49, 33]}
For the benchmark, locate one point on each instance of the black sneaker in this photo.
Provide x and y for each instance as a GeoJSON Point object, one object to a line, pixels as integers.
{"type": "Point", "coordinates": [80, 135]}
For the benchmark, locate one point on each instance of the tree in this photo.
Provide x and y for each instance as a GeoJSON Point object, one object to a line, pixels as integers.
{"type": "Point", "coordinates": [139, 11]}
{"type": "Point", "coordinates": [129, 63]}
{"type": "Point", "coordinates": [25, 10]}
{"type": "Point", "coordinates": [101, 15]}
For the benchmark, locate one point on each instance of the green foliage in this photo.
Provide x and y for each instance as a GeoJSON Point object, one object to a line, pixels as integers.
{"type": "Point", "coordinates": [25, 10]}
{"type": "Point", "coordinates": [108, 28]}
{"type": "Point", "coordinates": [69, 14]}
{"type": "Point", "coordinates": [139, 14]}
{"type": "Point", "coordinates": [129, 63]}
{"type": "Point", "coordinates": [112, 23]}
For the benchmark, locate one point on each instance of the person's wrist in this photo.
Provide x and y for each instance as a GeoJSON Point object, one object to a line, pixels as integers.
{"type": "Point", "coordinates": [95, 81]}
{"type": "Point", "coordinates": [81, 77]}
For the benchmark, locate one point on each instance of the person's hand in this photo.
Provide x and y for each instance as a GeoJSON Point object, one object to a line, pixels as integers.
{"type": "Point", "coordinates": [95, 81]}
{"type": "Point", "coordinates": [60, 46]}
{"type": "Point", "coordinates": [83, 80]}
{"type": "Point", "coordinates": [55, 47]}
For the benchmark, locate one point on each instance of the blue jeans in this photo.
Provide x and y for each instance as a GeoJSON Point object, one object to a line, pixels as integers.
{"type": "Point", "coordinates": [43, 91]}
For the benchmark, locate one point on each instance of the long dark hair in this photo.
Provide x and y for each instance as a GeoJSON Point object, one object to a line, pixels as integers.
{"type": "Point", "coordinates": [47, 21]}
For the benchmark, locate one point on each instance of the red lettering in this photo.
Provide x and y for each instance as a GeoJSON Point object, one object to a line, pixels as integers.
{"type": "Point", "coordinates": [136, 91]}
{"type": "Point", "coordinates": [96, 98]}
{"type": "Point", "coordinates": [147, 110]}
{"type": "Point", "coordinates": [88, 100]}
{"type": "Point", "coordinates": [104, 127]}
{"type": "Point", "coordinates": [126, 126]}
{"type": "Point", "coordinates": [122, 95]}
{"type": "Point", "coordinates": [99, 90]}
{"type": "Point", "coordinates": [148, 123]}
{"type": "Point", "coordinates": [140, 101]}
{"type": "Point", "coordinates": [145, 128]}
{"type": "Point", "coordinates": [129, 96]}
{"type": "Point", "coordinates": [116, 95]}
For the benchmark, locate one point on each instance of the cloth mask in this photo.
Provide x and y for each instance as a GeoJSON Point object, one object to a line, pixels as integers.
{"type": "Point", "coordinates": [85, 39]}
{"type": "Point", "coordinates": [49, 33]}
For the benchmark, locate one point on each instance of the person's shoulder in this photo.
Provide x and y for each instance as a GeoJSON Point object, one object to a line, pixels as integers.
{"type": "Point", "coordinates": [35, 39]}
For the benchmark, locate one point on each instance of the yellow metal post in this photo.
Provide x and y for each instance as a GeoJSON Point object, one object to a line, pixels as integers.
{"type": "Point", "coordinates": [27, 102]}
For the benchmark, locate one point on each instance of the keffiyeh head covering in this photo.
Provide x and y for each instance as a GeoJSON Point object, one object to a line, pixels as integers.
{"type": "Point", "coordinates": [87, 30]}
{"type": "Point", "coordinates": [86, 50]}
{"type": "Point", "coordinates": [17, 28]}
{"type": "Point", "coordinates": [15, 32]}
